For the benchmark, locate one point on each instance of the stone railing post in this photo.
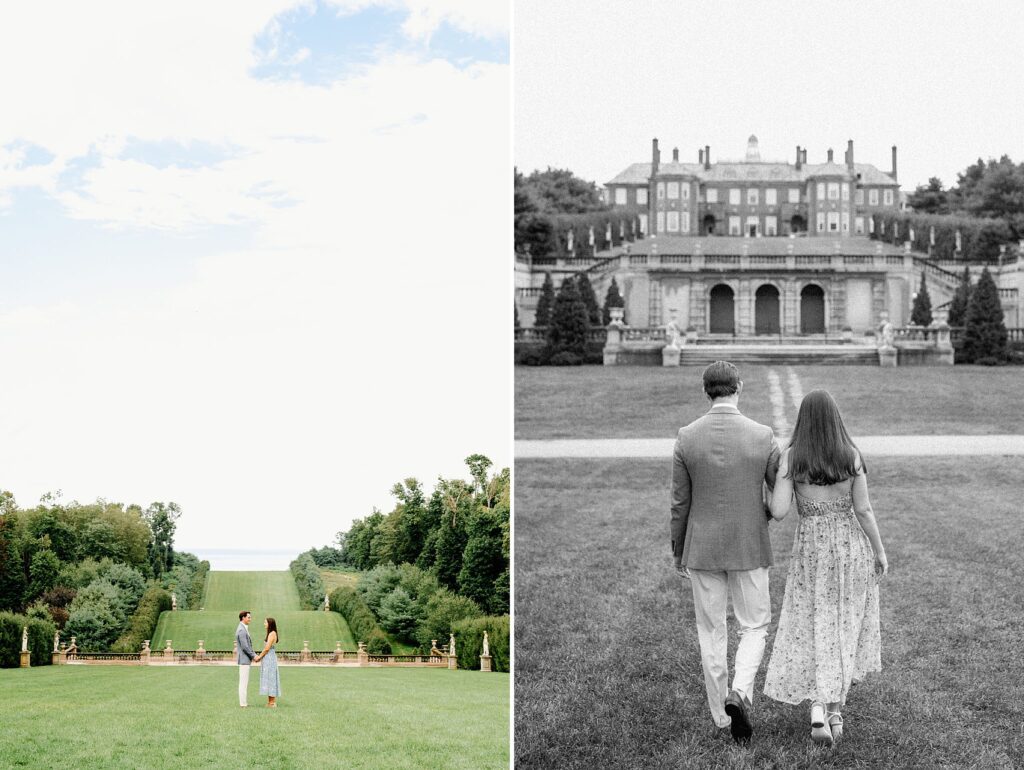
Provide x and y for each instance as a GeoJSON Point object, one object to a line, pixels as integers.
{"type": "Point", "coordinates": [144, 655]}
{"type": "Point", "coordinates": [169, 651]}
{"type": "Point", "coordinates": [362, 656]}
{"type": "Point", "coordinates": [337, 652]}
{"type": "Point", "coordinates": [72, 651]}
{"type": "Point", "coordinates": [943, 344]}
{"type": "Point", "coordinates": [453, 660]}
{"type": "Point", "coordinates": [62, 656]}
{"type": "Point", "coordinates": [613, 341]}
{"type": "Point", "coordinates": [200, 650]}
{"type": "Point", "coordinates": [305, 656]}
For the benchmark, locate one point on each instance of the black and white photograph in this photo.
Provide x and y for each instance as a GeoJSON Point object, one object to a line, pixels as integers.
{"type": "Point", "coordinates": [769, 337]}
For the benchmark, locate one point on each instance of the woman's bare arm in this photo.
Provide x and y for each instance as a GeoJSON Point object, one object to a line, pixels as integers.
{"type": "Point", "coordinates": [271, 641]}
{"type": "Point", "coordinates": [782, 496]}
{"type": "Point", "coordinates": [866, 517]}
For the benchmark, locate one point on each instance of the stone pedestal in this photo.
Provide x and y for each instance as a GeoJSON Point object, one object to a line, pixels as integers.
{"type": "Point", "coordinates": [337, 652]}
{"type": "Point", "coordinates": [613, 341]}
{"type": "Point", "coordinates": [670, 355]}
{"type": "Point", "coordinates": [362, 656]}
{"type": "Point", "coordinates": [168, 650]}
{"type": "Point", "coordinates": [485, 663]}
{"type": "Point", "coordinates": [26, 660]}
{"type": "Point", "coordinates": [200, 651]}
{"type": "Point", "coordinates": [305, 656]}
{"type": "Point", "coordinates": [453, 663]}
{"type": "Point", "coordinates": [144, 655]}
{"type": "Point", "coordinates": [887, 356]}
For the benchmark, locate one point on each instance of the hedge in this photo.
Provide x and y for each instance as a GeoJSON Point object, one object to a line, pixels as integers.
{"type": "Point", "coordinates": [143, 623]}
{"type": "Point", "coordinates": [40, 640]}
{"type": "Point", "coordinates": [347, 603]}
{"type": "Point", "coordinates": [307, 581]}
{"type": "Point", "coordinates": [980, 238]}
{"type": "Point", "coordinates": [580, 225]}
{"type": "Point", "coordinates": [469, 641]}
{"type": "Point", "coordinates": [198, 586]}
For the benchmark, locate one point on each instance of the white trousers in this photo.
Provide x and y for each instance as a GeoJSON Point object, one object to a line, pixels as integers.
{"type": "Point", "coordinates": [753, 610]}
{"type": "Point", "coordinates": [243, 685]}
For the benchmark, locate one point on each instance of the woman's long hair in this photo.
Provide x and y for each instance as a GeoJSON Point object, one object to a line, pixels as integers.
{"type": "Point", "coordinates": [821, 451]}
{"type": "Point", "coordinates": [272, 626]}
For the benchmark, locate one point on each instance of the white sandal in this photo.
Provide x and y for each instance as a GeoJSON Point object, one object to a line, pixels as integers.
{"type": "Point", "coordinates": [820, 733]}
{"type": "Point", "coordinates": [835, 722]}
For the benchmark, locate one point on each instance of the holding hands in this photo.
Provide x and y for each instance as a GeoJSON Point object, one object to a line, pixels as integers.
{"type": "Point", "coordinates": [881, 566]}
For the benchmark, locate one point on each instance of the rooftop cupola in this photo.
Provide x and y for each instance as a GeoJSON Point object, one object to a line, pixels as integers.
{"type": "Point", "coordinates": [753, 154]}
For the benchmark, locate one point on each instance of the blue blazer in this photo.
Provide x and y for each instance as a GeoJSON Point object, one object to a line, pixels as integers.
{"type": "Point", "coordinates": [245, 653]}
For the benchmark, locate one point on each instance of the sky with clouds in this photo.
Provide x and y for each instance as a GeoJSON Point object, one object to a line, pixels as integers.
{"type": "Point", "coordinates": [595, 81]}
{"type": "Point", "coordinates": [253, 256]}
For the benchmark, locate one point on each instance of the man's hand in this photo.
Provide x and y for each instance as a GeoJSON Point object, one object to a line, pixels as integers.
{"type": "Point", "coordinates": [678, 563]}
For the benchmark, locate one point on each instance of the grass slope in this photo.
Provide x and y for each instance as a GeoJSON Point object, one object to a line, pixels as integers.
{"type": "Point", "coordinates": [607, 661]}
{"type": "Point", "coordinates": [262, 593]}
{"type": "Point", "coordinates": [189, 717]}
{"type": "Point", "coordinates": [338, 578]}
{"type": "Point", "coordinates": [646, 402]}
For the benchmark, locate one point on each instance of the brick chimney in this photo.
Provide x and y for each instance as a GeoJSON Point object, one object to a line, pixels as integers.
{"type": "Point", "coordinates": [798, 158]}
{"type": "Point", "coordinates": [829, 154]}
{"type": "Point", "coordinates": [707, 157]}
{"type": "Point", "coordinates": [849, 154]}
{"type": "Point", "coordinates": [700, 156]}
{"type": "Point", "coordinates": [655, 157]}
{"type": "Point", "coordinates": [803, 155]}
{"type": "Point", "coordinates": [893, 174]}
{"type": "Point", "coordinates": [675, 154]}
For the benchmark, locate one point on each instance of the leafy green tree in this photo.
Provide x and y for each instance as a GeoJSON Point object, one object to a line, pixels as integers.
{"type": "Point", "coordinates": [612, 299]}
{"type": "Point", "coordinates": [961, 298]}
{"type": "Point", "coordinates": [443, 610]}
{"type": "Point", "coordinates": [930, 198]}
{"type": "Point", "coordinates": [398, 614]}
{"type": "Point", "coordinates": [921, 313]}
{"type": "Point", "coordinates": [559, 191]}
{"type": "Point", "coordinates": [12, 573]}
{"type": "Point", "coordinates": [456, 501]}
{"type": "Point", "coordinates": [569, 321]}
{"type": "Point", "coordinates": [482, 560]}
{"type": "Point", "coordinates": [984, 332]}
{"type": "Point", "coordinates": [589, 299]}
{"type": "Point", "coordinates": [542, 316]}
{"type": "Point", "coordinates": [478, 465]}
{"type": "Point", "coordinates": [162, 519]}
{"type": "Point", "coordinates": [42, 573]}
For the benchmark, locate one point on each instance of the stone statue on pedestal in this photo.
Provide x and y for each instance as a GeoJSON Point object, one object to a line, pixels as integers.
{"type": "Point", "coordinates": [451, 644]}
{"type": "Point", "coordinates": [487, 647]}
{"type": "Point", "coordinates": [24, 639]}
{"type": "Point", "coordinates": [56, 641]}
{"type": "Point", "coordinates": [327, 603]}
{"type": "Point", "coordinates": [174, 601]}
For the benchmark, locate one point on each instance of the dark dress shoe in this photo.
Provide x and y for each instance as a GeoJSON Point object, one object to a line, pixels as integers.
{"type": "Point", "coordinates": [737, 708]}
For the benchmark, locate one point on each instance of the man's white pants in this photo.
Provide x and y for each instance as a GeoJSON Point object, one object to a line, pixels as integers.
{"type": "Point", "coordinates": [753, 610]}
{"type": "Point", "coordinates": [243, 684]}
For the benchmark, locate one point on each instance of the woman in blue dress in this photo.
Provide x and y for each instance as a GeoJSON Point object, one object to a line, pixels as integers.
{"type": "Point", "coordinates": [270, 681]}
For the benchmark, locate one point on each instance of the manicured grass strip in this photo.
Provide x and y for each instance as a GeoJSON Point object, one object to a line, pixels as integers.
{"type": "Point", "coordinates": [646, 402]}
{"type": "Point", "coordinates": [362, 719]}
{"type": "Point", "coordinates": [334, 578]}
{"type": "Point", "coordinates": [217, 630]}
{"type": "Point", "coordinates": [607, 665]}
{"type": "Point", "coordinates": [269, 591]}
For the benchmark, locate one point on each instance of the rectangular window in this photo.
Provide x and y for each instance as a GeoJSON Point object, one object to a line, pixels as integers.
{"type": "Point", "coordinates": [873, 196]}
{"type": "Point", "coordinates": [734, 225]}
{"type": "Point", "coordinates": [673, 221]}
{"type": "Point", "coordinates": [821, 191]}
{"type": "Point", "coordinates": [858, 197]}
{"type": "Point", "coordinates": [685, 225]}
{"type": "Point", "coordinates": [673, 190]}
{"type": "Point", "coordinates": [833, 221]}
{"type": "Point", "coordinates": [821, 222]}
{"type": "Point", "coordinates": [753, 227]}
{"type": "Point", "coordinates": [769, 197]}
{"type": "Point", "coordinates": [846, 191]}
{"type": "Point", "coordinates": [734, 196]}
{"type": "Point", "coordinates": [871, 225]}
{"type": "Point", "coordinates": [685, 191]}
{"type": "Point", "coordinates": [771, 226]}
{"type": "Point", "coordinates": [643, 223]}
{"type": "Point", "coordinates": [712, 194]}
{"type": "Point", "coordinates": [887, 197]}
{"type": "Point", "coordinates": [846, 222]}
{"type": "Point", "coordinates": [660, 222]}
{"type": "Point", "coordinates": [641, 196]}
{"type": "Point", "coordinates": [752, 197]}
{"type": "Point", "coordinates": [620, 196]}
{"type": "Point", "coordinates": [794, 194]}
{"type": "Point", "coordinates": [661, 190]}
{"type": "Point", "coordinates": [858, 225]}
{"type": "Point", "coordinates": [833, 191]}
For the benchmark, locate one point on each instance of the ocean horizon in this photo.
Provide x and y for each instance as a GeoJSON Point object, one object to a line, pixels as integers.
{"type": "Point", "coordinates": [245, 559]}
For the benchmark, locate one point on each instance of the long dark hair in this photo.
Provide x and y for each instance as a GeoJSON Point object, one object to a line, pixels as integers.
{"type": "Point", "coordinates": [272, 626]}
{"type": "Point", "coordinates": [821, 451]}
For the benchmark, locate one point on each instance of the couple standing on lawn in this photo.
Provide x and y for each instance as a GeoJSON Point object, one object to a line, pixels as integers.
{"type": "Point", "coordinates": [828, 635]}
{"type": "Point", "coordinates": [270, 680]}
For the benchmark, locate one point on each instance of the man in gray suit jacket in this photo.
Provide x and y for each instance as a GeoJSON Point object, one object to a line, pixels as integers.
{"type": "Point", "coordinates": [245, 656]}
{"type": "Point", "coordinates": [720, 465]}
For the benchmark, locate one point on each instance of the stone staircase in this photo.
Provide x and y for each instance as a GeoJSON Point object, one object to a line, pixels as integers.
{"type": "Point", "coordinates": [834, 354]}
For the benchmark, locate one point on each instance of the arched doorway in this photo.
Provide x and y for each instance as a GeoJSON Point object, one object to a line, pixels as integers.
{"type": "Point", "coordinates": [723, 318]}
{"type": "Point", "coordinates": [797, 224]}
{"type": "Point", "coordinates": [812, 310]}
{"type": "Point", "coordinates": [766, 310]}
{"type": "Point", "coordinates": [708, 226]}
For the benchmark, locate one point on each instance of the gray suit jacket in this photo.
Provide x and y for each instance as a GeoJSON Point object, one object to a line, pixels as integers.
{"type": "Point", "coordinates": [719, 464]}
{"type": "Point", "coordinates": [245, 653]}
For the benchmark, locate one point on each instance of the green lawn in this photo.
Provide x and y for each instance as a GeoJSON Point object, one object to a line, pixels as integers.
{"type": "Point", "coordinates": [647, 402]}
{"type": "Point", "coordinates": [112, 717]}
{"type": "Point", "coordinates": [217, 629]}
{"type": "Point", "coordinates": [337, 578]}
{"type": "Point", "coordinates": [260, 592]}
{"type": "Point", "coordinates": [607, 664]}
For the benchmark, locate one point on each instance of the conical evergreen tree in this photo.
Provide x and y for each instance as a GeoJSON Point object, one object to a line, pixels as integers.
{"type": "Point", "coordinates": [589, 299]}
{"type": "Point", "coordinates": [612, 299]}
{"type": "Point", "coordinates": [985, 332]}
{"type": "Point", "coordinates": [921, 314]}
{"type": "Point", "coordinates": [569, 321]}
{"type": "Point", "coordinates": [542, 317]}
{"type": "Point", "coordinates": [958, 305]}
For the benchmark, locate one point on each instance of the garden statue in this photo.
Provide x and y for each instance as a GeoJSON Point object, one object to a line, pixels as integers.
{"type": "Point", "coordinates": [327, 603]}
{"type": "Point", "coordinates": [174, 601]}
{"type": "Point", "coordinates": [487, 647]}
{"type": "Point", "coordinates": [56, 641]}
{"type": "Point", "coordinates": [24, 639]}
{"type": "Point", "coordinates": [673, 334]}
{"type": "Point", "coordinates": [568, 241]}
{"type": "Point", "coordinates": [451, 644]}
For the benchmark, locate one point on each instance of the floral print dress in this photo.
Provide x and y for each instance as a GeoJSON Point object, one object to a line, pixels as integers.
{"type": "Point", "coordinates": [828, 634]}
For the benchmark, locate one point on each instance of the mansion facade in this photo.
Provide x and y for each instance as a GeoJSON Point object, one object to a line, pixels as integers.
{"type": "Point", "coordinates": [753, 198]}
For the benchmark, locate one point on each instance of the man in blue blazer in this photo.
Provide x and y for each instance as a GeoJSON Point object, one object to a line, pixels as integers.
{"type": "Point", "coordinates": [720, 465]}
{"type": "Point", "coordinates": [245, 656]}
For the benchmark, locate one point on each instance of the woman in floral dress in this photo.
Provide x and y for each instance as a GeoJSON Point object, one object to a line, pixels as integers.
{"type": "Point", "coordinates": [828, 634]}
{"type": "Point", "coordinates": [270, 681]}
